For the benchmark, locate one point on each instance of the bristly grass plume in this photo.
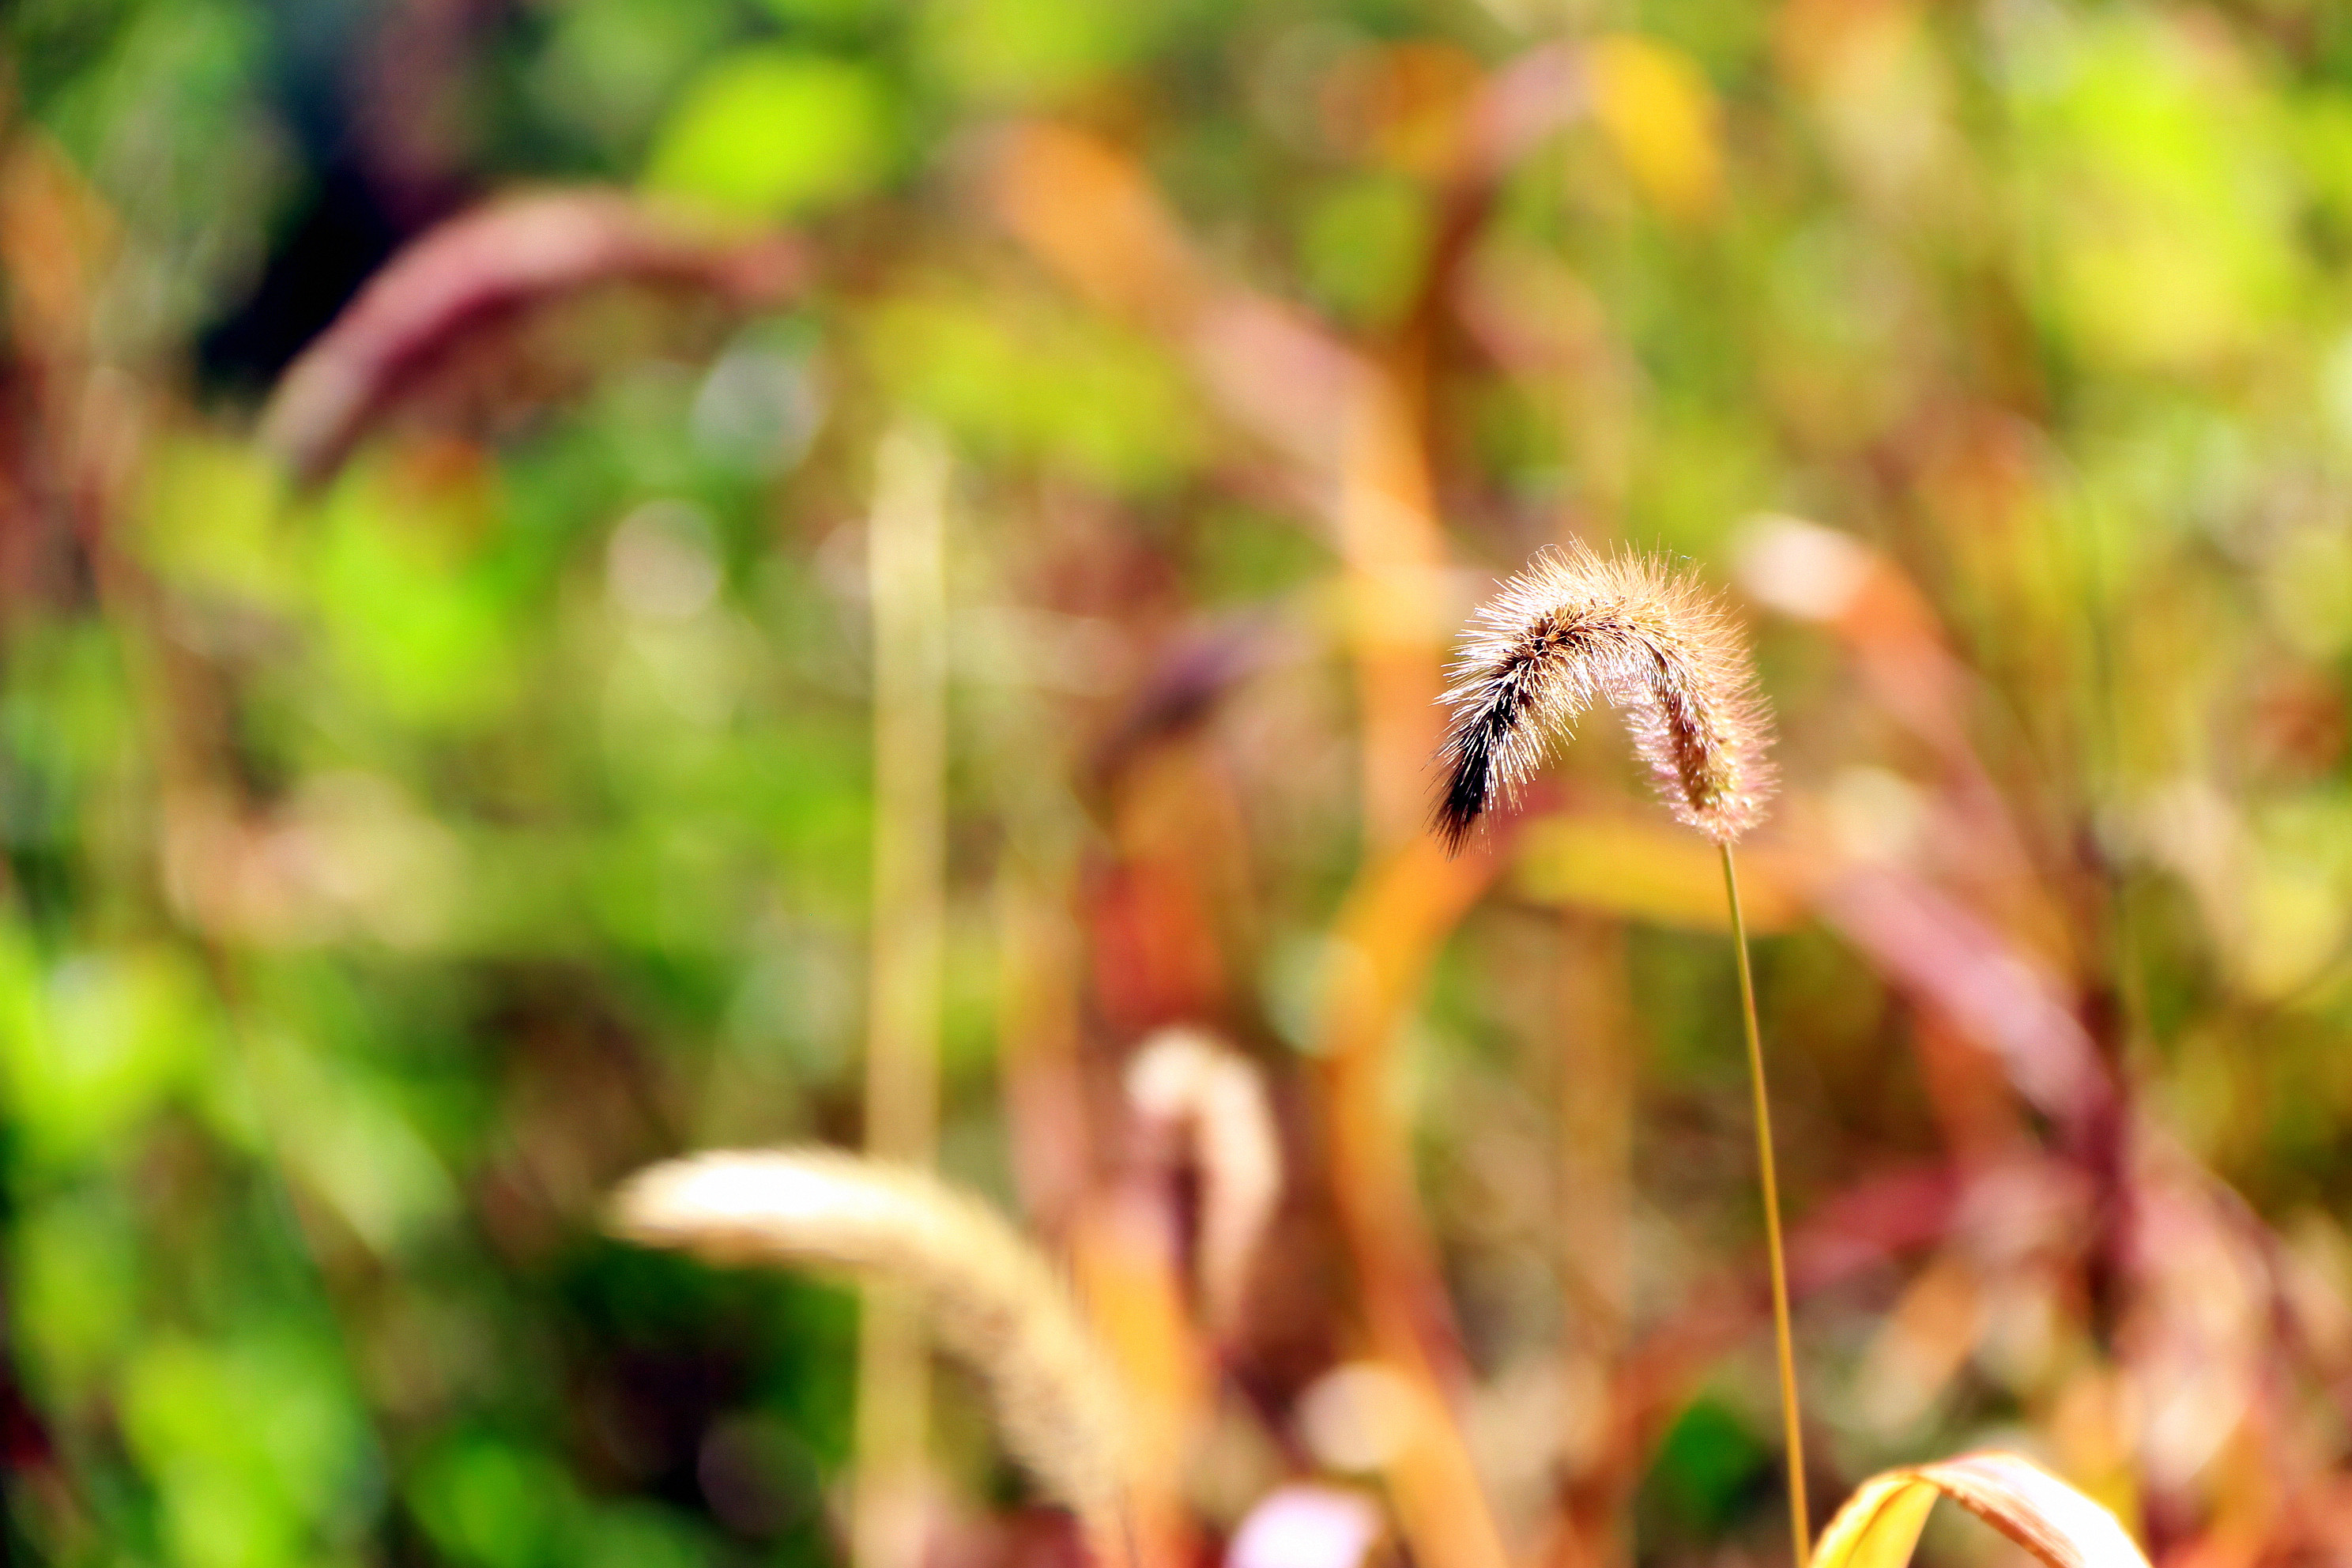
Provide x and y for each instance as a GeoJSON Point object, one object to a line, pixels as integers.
{"type": "Point", "coordinates": [1575, 627]}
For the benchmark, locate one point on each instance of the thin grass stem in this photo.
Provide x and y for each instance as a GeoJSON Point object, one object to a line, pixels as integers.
{"type": "Point", "coordinates": [1793, 1424]}
{"type": "Point", "coordinates": [907, 576]}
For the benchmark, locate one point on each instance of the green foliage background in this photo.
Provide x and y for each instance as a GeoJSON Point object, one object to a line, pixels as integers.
{"type": "Point", "coordinates": [389, 868]}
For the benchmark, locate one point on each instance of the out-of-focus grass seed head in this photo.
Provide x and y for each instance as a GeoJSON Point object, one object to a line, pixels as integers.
{"type": "Point", "coordinates": [993, 1300]}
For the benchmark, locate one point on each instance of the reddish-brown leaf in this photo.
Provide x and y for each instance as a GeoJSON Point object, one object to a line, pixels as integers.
{"type": "Point", "coordinates": [486, 266]}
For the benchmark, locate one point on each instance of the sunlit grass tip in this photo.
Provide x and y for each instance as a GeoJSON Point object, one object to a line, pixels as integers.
{"type": "Point", "coordinates": [995, 1302]}
{"type": "Point", "coordinates": [1189, 1081]}
{"type": "Point", "coordinates": [1575, 627]}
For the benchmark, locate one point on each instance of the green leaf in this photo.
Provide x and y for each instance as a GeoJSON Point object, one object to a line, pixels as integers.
{"type": "Point", "coordinates": [1029, 50]}
{"type": "Point", "coordinates": [1362, 245]}
{"type": "Point", "coordinates": [769, 132]}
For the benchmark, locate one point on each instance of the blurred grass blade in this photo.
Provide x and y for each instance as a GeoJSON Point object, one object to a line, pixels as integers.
{"type": "Point", "coordinates": [1944, 954]}
{"type": "Point", "coordinates": [1880, 1525]}
{"type": "Point", "coordinates": [482, 268]}
{"type": "Point", "coordinates": [906, 576]}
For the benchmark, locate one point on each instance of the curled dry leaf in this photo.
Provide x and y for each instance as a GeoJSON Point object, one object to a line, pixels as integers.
{"type": "Point", "coordinates": [1880, 1525]}
{"type": "Point", "coordinates": [995, 1302]}
{"type": "Point", "coordinates": [482, 267]}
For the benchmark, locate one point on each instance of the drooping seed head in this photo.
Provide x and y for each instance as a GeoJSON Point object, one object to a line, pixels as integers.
{"type": "Point", "coordinates": [1187, 1080]}
{"type": "Point", "coordinates": [993, 1300]}
{"type": "Point", "coordinates": [1573, 627]}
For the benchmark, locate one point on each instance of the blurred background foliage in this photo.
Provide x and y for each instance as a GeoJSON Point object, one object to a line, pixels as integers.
{"type": "Point", "coordinates": [429, 799]}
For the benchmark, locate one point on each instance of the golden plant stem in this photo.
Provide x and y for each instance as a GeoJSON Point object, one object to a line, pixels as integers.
{"type": "Point", "coordinates": [1593, 1088]}
{"type": "Point", "coordinates": [907, 574]}
{"type": "Point", "coordinates": [1393, 555]}
{"type": "Point", "coordinates": [1791, 1424]}
{"type": "Point", "coordinates": [1390, 928]}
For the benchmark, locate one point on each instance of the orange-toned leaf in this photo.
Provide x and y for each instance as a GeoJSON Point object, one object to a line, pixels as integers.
{"type": "Point", "coordinates": [1880, 1525]}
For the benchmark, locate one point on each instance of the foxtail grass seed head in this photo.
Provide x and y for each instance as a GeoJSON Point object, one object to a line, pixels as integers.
{"type": "Point", "coordinates": [1189, 1081]}
{"type": "Point", "coordinates": [995, 1301]}
{"type": "Point", "coordinates": [1574, 627]}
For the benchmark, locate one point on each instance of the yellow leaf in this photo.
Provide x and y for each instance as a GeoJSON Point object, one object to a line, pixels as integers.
{"type": "Point", "coordinates": [1880, 1525]}
{"type": "Point", "coordinates": [1658, 112]}
{"type": "Point", "coordinates": [1649, 868]}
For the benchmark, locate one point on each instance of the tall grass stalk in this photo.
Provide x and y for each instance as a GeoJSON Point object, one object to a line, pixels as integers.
{"type": "Point", "coordinates": [1576, 627]}
{"type": "Point", "coordinates": [1792, 1421]}
{"type": "Point", "coordinates": [906, 579]}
